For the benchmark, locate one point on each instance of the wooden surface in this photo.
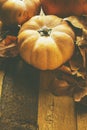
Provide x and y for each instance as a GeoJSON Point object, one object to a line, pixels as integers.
{"type": "Point", "coordinates": [19, 100]}
{"type": "Point", "coordinates": [27, 104]}
{"type": "Point", "coordinates": [54, 113]}
{"type": "Point", "coordinates": [1, 81]}
{"type": "Point", "coordinates": [81, 117]}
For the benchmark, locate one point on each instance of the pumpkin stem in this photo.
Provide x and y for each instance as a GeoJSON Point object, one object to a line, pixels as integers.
{"type": "Point", "coordinates": [45, 31]}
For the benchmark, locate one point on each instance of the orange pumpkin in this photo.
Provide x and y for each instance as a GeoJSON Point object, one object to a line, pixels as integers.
{"type": "Point", "coordinates": [64, 8]}
{"type": "Point", "coordinates": [46, 42]}
{"type": "Point", "coordinates": [18, 11]}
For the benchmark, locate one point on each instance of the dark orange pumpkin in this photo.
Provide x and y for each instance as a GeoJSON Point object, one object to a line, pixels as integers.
{"type": "Point", "coordinates": [64, 8]}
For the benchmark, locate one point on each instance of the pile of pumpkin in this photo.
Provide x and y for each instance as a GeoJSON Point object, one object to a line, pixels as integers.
{"type": "Point", "coordinates": [47, 42]}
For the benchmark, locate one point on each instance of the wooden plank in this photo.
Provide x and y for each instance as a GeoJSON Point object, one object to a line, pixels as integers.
{"type": "Point", "coordinates": [1, 83]}
{"type": "Point", "coordinates": [1, 80]}
{"type": "Point", "coordinates": [19, 102]}
{"type": "Point", "coordinates": [2, 74]}
{"type": "Point", "coordinates": [54, 113]}
{"type": "Point", "coordinates": [81, 116]}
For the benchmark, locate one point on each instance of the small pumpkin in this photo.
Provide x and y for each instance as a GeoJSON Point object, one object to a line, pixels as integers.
{"type": "Point", "coordinates": [46, 42]}
{"type": "Point", "coordinates": [18, 11]}
{"type": "Point", "coordinates": [64, 8]}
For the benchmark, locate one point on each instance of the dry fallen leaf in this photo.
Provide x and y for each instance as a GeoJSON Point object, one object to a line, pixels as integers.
{"type": "Point", "coordinates": [8, 47]}
{"type": "Point", "coordinates": [8, 41]}
{"type": "Point", "coordinates": [71, 77]}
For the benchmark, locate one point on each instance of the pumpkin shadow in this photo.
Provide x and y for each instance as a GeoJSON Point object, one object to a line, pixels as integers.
{"type": "Point", "coordinates": [20, 93]}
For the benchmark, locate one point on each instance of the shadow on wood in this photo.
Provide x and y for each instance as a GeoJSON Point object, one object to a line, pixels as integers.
{"type": "Point", "coordinates": [19, 102]}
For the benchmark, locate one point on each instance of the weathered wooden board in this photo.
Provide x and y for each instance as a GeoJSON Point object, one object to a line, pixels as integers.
{"type": "Point", "coordinates": [19, 101]}
{"type": "Point", "coordinates": [54, 113]}
{"type": "Point", "coordinates": [1, 82]}
{"type": "Point", "coordinates": [22, 109]}
{"type": "Point", "coordinates": [81, 116]}
{"type": "Point", "coordinates": [2, 73]}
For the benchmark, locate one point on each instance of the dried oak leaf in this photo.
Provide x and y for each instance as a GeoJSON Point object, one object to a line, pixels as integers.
{"type": "Point", "coordinates": [71, 77]}
{"type": "Point", "coordinates": [78, 62]}
{"type": "Point", "coordinates": [8, 41]}
{"type": "Point", "coordinates": [8, 46]}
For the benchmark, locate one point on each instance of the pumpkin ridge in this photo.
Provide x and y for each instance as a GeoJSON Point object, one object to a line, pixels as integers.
{"type": "Point", "coordinates": [61, 36]}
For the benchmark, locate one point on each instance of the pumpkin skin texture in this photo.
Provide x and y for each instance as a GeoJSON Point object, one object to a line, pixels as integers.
{"type": "Point", "coordinates": [46, 42]}
{"type": "Point", "coordinates": [64, 8]}
{"type": "Point", "coordinates": [18, 11]}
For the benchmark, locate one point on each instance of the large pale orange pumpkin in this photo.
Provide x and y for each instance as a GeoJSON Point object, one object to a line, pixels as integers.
{"type": "Point", "coordinates": [46, 42]}
{"type": "Point", "coordinates": [64, 8]}
{"type": "Point", "coordinates": [18, 11]}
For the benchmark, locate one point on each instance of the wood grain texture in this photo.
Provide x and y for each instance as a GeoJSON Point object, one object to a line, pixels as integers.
{"type": "Point", "coordinates": [2, 73]}
{"type": "Point", "coordinates": [81, 116]}
{"type": "Point", "coordinates": [19, 102]}
{"type": "Point", "coordinates": [54, 113]}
